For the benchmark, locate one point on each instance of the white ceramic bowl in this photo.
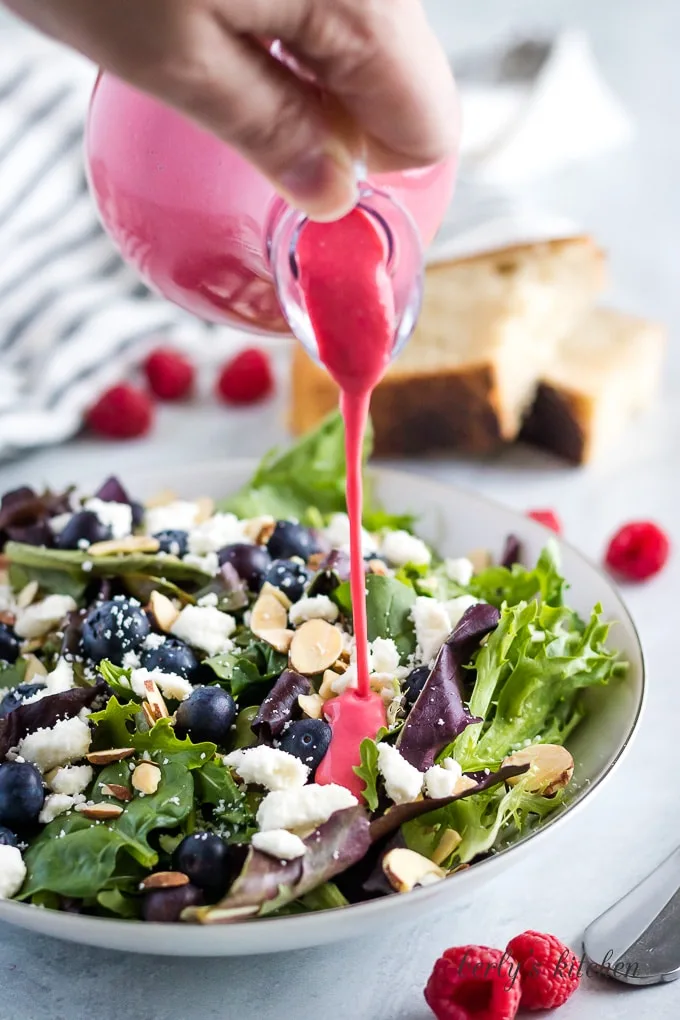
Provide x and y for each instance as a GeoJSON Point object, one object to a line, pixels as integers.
{"type": "Point", "coordinates": [454, 521]}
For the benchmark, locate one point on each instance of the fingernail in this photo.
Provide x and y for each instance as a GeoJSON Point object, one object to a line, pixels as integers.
{"type": "Point", "coordinates": [322, 183]}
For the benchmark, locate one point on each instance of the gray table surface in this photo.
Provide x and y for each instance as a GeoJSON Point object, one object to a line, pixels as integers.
{"type": "Point", "coordinates": [631, 202]}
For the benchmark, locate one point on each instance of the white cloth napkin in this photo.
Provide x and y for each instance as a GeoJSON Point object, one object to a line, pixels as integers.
{"type": "Point", "coordinates": [74, 319]}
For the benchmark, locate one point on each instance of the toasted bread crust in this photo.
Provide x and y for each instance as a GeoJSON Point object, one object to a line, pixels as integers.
{"type": "Point", "coordinates": [559, 422]}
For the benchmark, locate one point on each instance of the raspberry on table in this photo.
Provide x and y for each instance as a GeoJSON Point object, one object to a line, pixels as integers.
{"type": "Point", "coordinates": [548, 518]}
{"type": "Point", "coordinates": [549, 970]}
{"type": "Point", "coordinates": [122, 412]}
{"type": "Point", "coordinates": [246, 378]}
{"type": "Point", "coordinates": [638, 551]}
{"type": "Point", "coordinates": [170, 374]}
{"type": "Point", "coordinates": [474, 983]}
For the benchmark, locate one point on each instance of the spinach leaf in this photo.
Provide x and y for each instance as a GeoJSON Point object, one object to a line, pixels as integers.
{"type": "Point", "coordinates": [118, 679]}
{"type": "Point", "coordinates": [389, 604]}
{"type": "Point", "coordinates": [162, 743]}
{"type": "Point", "coordinates": [165, 809]}
{"type": "Point", "coordinates": [215, 786]}
{"type": "Point", "coordinates": [368, 771]}
{"type": "Point", "coordinates": [257, 664]}
{"type": "Point", "coordinates": [113, 901]}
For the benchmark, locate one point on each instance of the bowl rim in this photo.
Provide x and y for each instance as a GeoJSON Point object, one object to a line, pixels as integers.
{"type": "Point", "coordinates": [363, 911]}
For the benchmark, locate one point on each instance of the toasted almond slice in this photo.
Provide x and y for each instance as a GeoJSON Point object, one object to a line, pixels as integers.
{"type": "Point", "coordinates": [280, 596]}
{"type": "Point", "coordinates": [165, 880]}
{"type": "Point", "coordinates": [268, 614]}
{"type": "Point", "coordinates": [34, 668]}
{"type": "Point", "coordinates": [405, 869]}
{"type": "Point", "coordinates": [447, 844]}
{"type": "Point", "coordinates": [27, 594]}
{"type": "Point", "coordinates": [114, 790]}
{"type": "Point", "coordinates": [326, 689]}
{"type": "Point", "coordinates": [345, 658]}
{"type": "Point", "coordinates": [311, 705]}
{"type": "Point", "coordinates": [111, 756]}
{"type": "Point", "coordinates": [155, 699]}
{"type": "Point", "coordinates": [551, 768]}
{"type": "Point", "coordinates": [259, 529]}
{"type": "Point", "coordinates": [147, 777]}
{"type": "Point", "coordinates": [465, 783]}
{"type": "Point", "coordinates": [378, 567]}
{"type": "Point", "coordinates": [7, 617]}
{"type": "Point", "coordinates": [279, 639]}
{"type": "Point", "coordinates": [340, 667]}
{"type": "Point", "coordinates": [163, 498]}
{"type": "Point", "coordinates": [163, 611]}
{"type": "Point", "coordinates": [206, 508]}
{"type": "Point", "coordinates": [100, 812]}
{"type": "Point", "coordinates": [33, 644]}
{"type": "Point", "coordinates": [149, 714]}
{"type": "Point", "coordinates": [123, 546]}
{"type": "Point", "coordinates": [480, 559]}
{"type": "Point", "coordinates": [213, 915]}
{"type": "Point", "coordinates": [315, 560]}
{"type": "Point", "coordinates": [316, 646]}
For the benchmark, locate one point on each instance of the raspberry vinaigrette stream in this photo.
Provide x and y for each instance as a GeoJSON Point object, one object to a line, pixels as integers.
{"type": "Point", "coordinates": [349, 299]}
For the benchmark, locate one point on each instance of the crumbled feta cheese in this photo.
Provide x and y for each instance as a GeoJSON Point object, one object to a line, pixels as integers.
{"type": "Point", "coordinates": [206, 628]}
{"type": "Point", "coordinates": [384, 656]}
{"type": "Point", "coordinates": [441, 780]}
{"type": "Point", "coordinates": [268, 767]}
{"type": "Point", "coordinates": [12, 871]}
{"type": "Point", "coordinates": [117, 516]}
{"type": "Point", "coordinates": [317, 607]}
{"type": "Point", "coordinates": [210, 599]}
{"type": "Point", "coordinates": [86, 565]}
{"type": "Point", "coordinates": [457, 608]}
{"type": "Point", "coordinates": [177, 516]}
{"type": "Point", "coordinates": [63, 743]}
{"type": "Point", "coordinates": [213, 534]}
{"type": "Point", "coordinates": [171, 685]}
{"type": "Point", "coordinates": [345, 681]}
{"type": "Point", "coordinates": [461, 571]}
{"type": "Point", "coordinates": [152, 641]}
{"type": "Point", "coordinates": [279, 843]}
{"type": "Point", "coordinates": [42, 617]}
{"type": "Point", "coordinates": [71, 780]}
{"type": "Point", "coordinates": [59, 522]}
{"type": "Point", "coordinates": [131, 660]}
{"type": "Point", "coordinates": [209, 563]}
{"type": "Point", "coordinates": [59, 680]}
{"type": "Point", "coordinates": [433, 627]}
{"type": "Point", "coordinates": [304, 808]}
{"type": "Point", "coordinates": [400, 548]}
{"type": "Point", "coordinates": [55, 804]}
{"type": "Point", "coordinates": [337, 533]}
{"type": "Point", "coordinates": [403, 782]}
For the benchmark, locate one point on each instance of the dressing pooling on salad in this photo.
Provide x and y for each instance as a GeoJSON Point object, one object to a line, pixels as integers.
{"type": "Point", "coordinates": [168, 673]}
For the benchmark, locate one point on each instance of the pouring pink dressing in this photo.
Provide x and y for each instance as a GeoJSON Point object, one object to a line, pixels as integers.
{"type": "Point", "coordinates": [349, 298]}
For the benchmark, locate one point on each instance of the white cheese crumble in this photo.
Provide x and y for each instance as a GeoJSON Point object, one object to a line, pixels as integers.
{"type": "Point", "coordinates": [458, 607]}
{"type": "Point", "coordinates": [71, 780]}
{"type": "Point", "coordinates": [384, 656]}
{"type": "Point", "coordinates": [59, 680]}
{"type": "Point", "coordinates": [461, 571]}
{"type": "Point", "coordinates": [209, 563]}
{"type": "Point", "coordinates": [59, 522]}
{"type": "Point", "coordinates": [337, 533]}
{"type": "Point", "coordinates": [279, 843]}
{"type": "Point", "coordinates": [178, 516]}
{"type": "Point", "coordinates": [131, 660]}
{"type": "Point", "coordinates": [152, 641]}
{"type": "Point", "coordinates": [268, 767]}
{"type": "Point", "coordinates": [65, 742]}
{"type": "Point", "coordinates": [55, 804]}
{"type": "Point", "coordinates": [12, 871]}
{"type": "Point", "coordinates": [213, 534]}
{"type": "Point", "coordinates": [317, 607]}
{"type": "Point", "coordinates": [403, 782]}
{"type": "Point", "coordinates": [400, 548]}
{"type": "Point", "coordinates": [117, 516]}
{"type": "Point", "coordinates": [435, 621]}
{"type": "Point", "coordinates": [169, 684]}
{"type": "Point", "coordinates": [205, 627]}
{"type": "Point", "coordinates": [42, 617]}
{"type": "Point", "coordinates": [210, 599]}
{"type": "Point", "coordinates": [441, 780]}
{"type": "Point", "coordinates": [304, 808]}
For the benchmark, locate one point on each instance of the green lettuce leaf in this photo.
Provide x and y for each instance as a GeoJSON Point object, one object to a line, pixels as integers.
{"type": "Point", "coordinates": [389, 605]}
{"type": "Point", "coordinates": [248, 669]}
{"type": "Point", "coordinates": [368, 771]}
{"type": "Point", "coordinates": [233, 810]}
{"type": "Point", "coordinates": [112, 724]}
{"type": "Point", "coordinates": [162, 743]}
{"type": "Point", "coordinates": [499, 585]}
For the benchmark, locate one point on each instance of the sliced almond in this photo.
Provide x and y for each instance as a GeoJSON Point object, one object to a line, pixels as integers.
{"type": "Point", "coordinates": [259, 529]}
{"type": "Point", "coordinates": [315, 560]}
{"type": "Point", "coordinates": [340, 667]}
{"type": "Point", "coordinates": [109, 757]}
{"type": "Point", "coordinates": [480, 559]}
{"type": "Point", "coordinates": [100, 812]}
{"type": "Point", "coordinates": [33, 644]}
{"type": "Point", "coordinates": [551, 768]}
{"type": "Point", "coordinates": [123, 546]}
{"type": "Point", "coordinates": [7, 617]}
{"type": "Point", "coordinates": [311, 705]}
{"type": "Point", "coordinates": [163, 498]}
{"type": "Point", "coordinates": [165, 880]}
{"type": "Point", "coordinates": [149, 715]}
{"type": "Point", "coordinates": [465, 783]}
{"type": "Point", "coordinates": [206, 508]}
{"type": "Point", "coordinates": [378, 567]}
{"type": "Point", "coordinates": [114, 790]}
{"type": "Point", "coordinates": [315, 647]}
{"type": "Point", "coordinates": [326, 689]}
{"type": "Point", "coordinates": [34, 668]}
{"type": "Point", "coordinates": [163, 611]}
{"type": "Point", "coordinates": [27, 594]}
{"type": "Point", "coordinates": [155, 700]}
{"type": "Point", "coordinates": [279, 639]}
{"type": "Point", "coordinates": [405, 869]}
{"type": "Point", "coordinates": [449, 842]}
{"type": "Point", "coordinates": [147, 777]}
{"type": "Point", "coordinates": [280, 596]}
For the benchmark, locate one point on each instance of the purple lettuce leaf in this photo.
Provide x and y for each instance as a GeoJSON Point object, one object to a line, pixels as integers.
{"type": "Point", "coordinates": [73, 632]}
{"type": "Point", "coordinates": [112, 491]}
{"type": "Point", "coordinates": [280, 706]}
{"type": "Point", "coordinates": [376, 884]}
{"type": "Point", "coordinates": [512, 552]}
{"type": "Point", "coordinates": [440, 714]}
{"type": "Point", "coordinates": [331, 573]}
{"type": "Point", "coordinates": [24, 515]}
{"type": "Point", "coordinates": [45, 713]}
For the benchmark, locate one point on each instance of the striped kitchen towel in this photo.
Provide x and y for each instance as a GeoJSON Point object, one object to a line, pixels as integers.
{"type": "Point", "coordinates": [74, 318]}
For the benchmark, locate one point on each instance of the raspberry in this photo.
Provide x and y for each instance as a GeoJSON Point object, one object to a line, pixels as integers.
{"type": "Point", "coordinates": [549, 971]}
{"type": "Point", "coordinates": [122, 412]}
{"type": "Point", "coordinates": [548, 518]}
{"type": "Point", "coordinates": [474, 983]}
{"type": "Point", "coordinates": [638, 551]}
{"type": "Point", "coordinates": [246, 378]}
{"type": "Point", "coordinates": [170, 374]}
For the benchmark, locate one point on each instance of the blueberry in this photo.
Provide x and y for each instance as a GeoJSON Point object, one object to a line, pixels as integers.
{"type": "Point", "coordinates": [289, 576]}
{"type": "Point", "coordinates": [207, 714]}
{"type": "Point", "coordinates": [173, 656]}
{"type": "Point", "coordinates": [9, 643]}
{"type": "Point", "coordinates": [308, 740]}
{"type": "Point", "coordinates": [21, 794]}
{"type": "Point", "coordinates": [414, 683]}
{"type": "Point", "coordinates": [7, 837]}
{"type": "Point", "coordinates": [83, 527]}
{"type": "Point", "coordinates": [207, 862]}
{"type": "Point", "coordinates": [15, 698]}
{"type": "Point", "coordinates": [114, 628]}
{"type": "Point", "coordinates": [290, 539]}
{"type": "Point", "coordinates": [251, 562]}
{"type": "Point", "coordinates": [176, 543]}
{"type": "Point", "coordinates": [165, 906]}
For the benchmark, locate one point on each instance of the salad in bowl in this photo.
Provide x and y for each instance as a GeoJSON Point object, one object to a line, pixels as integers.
{"type": "Point", "coordinates": [165, 670]}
